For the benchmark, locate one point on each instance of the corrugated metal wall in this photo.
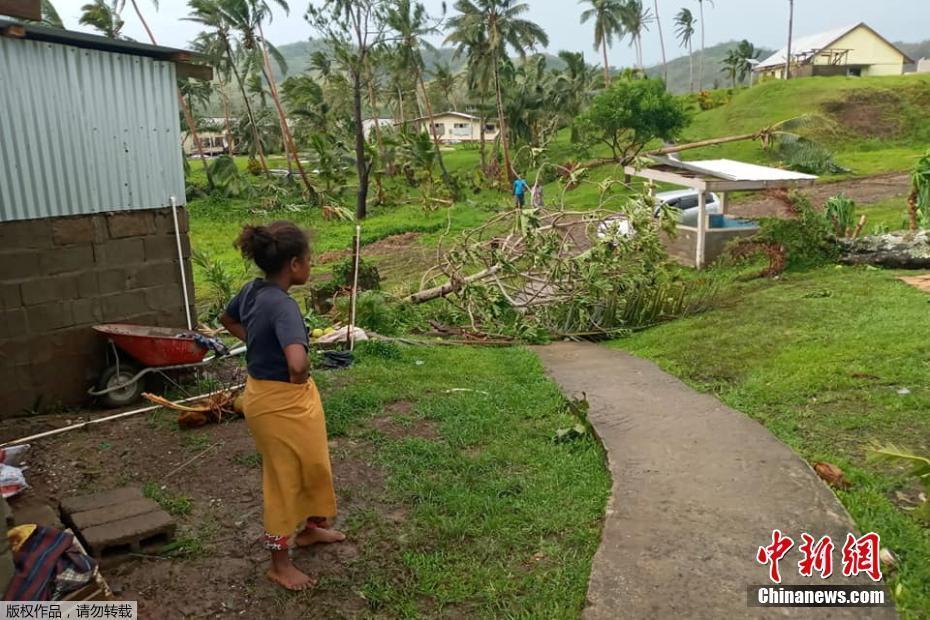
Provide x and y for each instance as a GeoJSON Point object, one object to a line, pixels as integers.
{"type": "Point", "coordinates": [84, 131]}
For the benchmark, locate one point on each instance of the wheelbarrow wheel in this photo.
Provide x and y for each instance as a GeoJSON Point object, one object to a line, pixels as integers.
{"type": "Point", "coordinates": [122, 397]}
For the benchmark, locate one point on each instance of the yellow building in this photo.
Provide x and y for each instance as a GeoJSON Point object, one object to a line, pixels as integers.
{"type": "Point", "coordinates": [855, 50]}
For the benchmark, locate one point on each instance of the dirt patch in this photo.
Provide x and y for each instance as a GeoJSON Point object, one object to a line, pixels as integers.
{"type": "Point", "coordinates": [863, 191]}
{"type": "Point", "coordinates": [383, 247]}
{"type": "Point", "coordinates": [867, 114]}
{"type": "Point", "coordinates": [218, 497]}
{"type": "Point", "coordinates": [397, 424]}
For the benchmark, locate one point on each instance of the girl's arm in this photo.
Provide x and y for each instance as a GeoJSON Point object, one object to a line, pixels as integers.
{"type": "Point", "coordinates": [233, 326]}
{"type": "Point", "coordinates": [298, 364]}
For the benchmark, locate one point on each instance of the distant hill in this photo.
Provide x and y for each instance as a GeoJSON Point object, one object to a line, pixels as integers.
{"type": "Point", "coordinates": [297, 56]}
{"type": "Point", "coordinates": [915, 50]}
{"type": "Point", "coordinates": [678, 71]}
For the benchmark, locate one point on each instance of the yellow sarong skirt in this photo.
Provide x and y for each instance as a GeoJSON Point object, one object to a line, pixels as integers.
{"type": "Point", "coordinates": [289, 428]}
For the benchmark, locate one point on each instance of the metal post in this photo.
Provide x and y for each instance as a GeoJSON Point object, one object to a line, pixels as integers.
{"type": "Point", "coordinates": [790, 33]}
{"type": "Point", "coordinates": [177, 236]}
{"type": "Point", "coordinates": [702, 230]}
{"type": "Point", "coordinates": [357, 251]}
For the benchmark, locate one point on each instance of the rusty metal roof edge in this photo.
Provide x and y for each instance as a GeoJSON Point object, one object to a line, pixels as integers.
{"type": "Point", "coordinates": [97, 42]}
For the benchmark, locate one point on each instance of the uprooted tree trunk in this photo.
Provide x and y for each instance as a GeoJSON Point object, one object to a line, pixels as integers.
{"type": "Point", "coordinates": [900, 250]}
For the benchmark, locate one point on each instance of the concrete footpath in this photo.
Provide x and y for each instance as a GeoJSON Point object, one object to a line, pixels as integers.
{"type": "Point", "coordinates": [697, 489]}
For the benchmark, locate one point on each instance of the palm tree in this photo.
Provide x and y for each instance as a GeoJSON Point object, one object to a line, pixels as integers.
{"type": "Point", "coordinates": [103, 17]}
{"type": "Point", "coordinates": [684, 30]}
{"type": "Point", "coordinates": [479, 76]}
{"type": "Point", "coordinates": [573, 87]}
{"type": "Point", "coordinates": [746, 52]}
{"type": "Point", "coordinates": [701, 7]}
{"type": "Point", "coordinates": [446, 82]}
{"type": "Point", "coordinates": [635, 19]}
{"type": "Point", "coordinates": [218, 17]}
{"type": "Point", "coordinates": [655, 4]}
{"type": "Point", "coordinates": [498, 26]}
{"type": "Point", "coordinates": [731, 65]}
{"type": "Point", "coordinates": [410, 21]}
{"type": "Point", "coordinates": [50, 16]}
{"type": "Point", "coordinates": [607, 25]}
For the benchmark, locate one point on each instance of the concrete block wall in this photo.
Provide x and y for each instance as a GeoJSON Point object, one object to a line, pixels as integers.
{"type": "Point", "coordinates": [59, 277]}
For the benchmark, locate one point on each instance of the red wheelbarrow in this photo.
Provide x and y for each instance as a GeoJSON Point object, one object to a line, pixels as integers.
{"type": "Point", "coordinates": [149, 350]}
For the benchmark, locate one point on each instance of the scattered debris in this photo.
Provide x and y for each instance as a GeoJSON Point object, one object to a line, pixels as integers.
{"type": "Point", "coordinates": [888, 560]}
{"type": "Point", "coordinates": [454, 390]}
{"type": "Point", "coordinates": [207, 410]}
{"type": "Point", "coordinates": [832, 475]}
{"type": "Point", "coordinates": [903, 392]}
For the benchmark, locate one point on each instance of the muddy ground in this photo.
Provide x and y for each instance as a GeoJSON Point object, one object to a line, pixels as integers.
{"type": "Point", "coordinates": [216, 569]}
{"type": "Point", "coordinates": [864, 191]}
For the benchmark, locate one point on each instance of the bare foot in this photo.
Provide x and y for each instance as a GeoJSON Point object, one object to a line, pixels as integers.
{"type": "Point", "coordinates": [319, 536]}
{"type": "Point", "coordinates": [290, 577]}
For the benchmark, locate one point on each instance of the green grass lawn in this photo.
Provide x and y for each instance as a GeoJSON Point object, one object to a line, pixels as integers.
{"type": "Point", "coordinates": [905, 99]}
{"type": "Point", "coordinates": [819, 359]}
{"type": "Point", "coordinates": [500, 521]}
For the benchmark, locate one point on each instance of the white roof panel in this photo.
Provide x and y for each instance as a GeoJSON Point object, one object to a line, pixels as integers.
{"type": "Point", "coordinates": [805, 45]}
{"type": "Point", "coordinates": [740, 171]}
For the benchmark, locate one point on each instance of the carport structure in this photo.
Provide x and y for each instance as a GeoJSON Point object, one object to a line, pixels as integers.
{"type": "Point", "coordinates": [720, 176]}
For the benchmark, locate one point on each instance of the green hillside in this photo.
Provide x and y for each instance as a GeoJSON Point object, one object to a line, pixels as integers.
{"type": "Point", "coordinates": [679, 71]}
{"type": "Point", "coordinates": [872, 124]}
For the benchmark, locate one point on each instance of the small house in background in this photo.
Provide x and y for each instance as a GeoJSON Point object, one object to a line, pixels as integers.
{"type": "Point", "coordinates": [923, 65]}
{"type": "Point", "coordinates": [855, 50]}
{"type": "Point", "coordinates": [370, 123]}
{"type": "Point", "coordinates": [455, 127]}
{"type": "Point", "coordinates": [90, 160]}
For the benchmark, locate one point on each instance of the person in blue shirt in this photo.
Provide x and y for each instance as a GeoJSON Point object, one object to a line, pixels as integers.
{"type": "Point", "coordinates": [519, 191]}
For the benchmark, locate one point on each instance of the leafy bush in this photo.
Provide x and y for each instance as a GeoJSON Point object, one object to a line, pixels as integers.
{"type": "Point", "coordinates": [803, 242]}
{"type": "Point", "coordinates": [631, 114]}
{"type": "Point", "coordinates": [803, 155]}
{"type": "Point", "coordinates": [841, 212]}
{"type": "Point", "coordinates": [380, 349]}
{"type": "Point", "coordinates": [369, 279]}
{"type": "Point", "coordinates": [372, 312]}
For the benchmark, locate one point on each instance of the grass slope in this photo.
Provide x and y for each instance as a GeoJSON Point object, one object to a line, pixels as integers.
{"type": "Point", "coordinates": [819, 358]}
{"type": "Point", "coordinates": [501, 521]}
{"type": "Point", "coordinates": [879, 124]}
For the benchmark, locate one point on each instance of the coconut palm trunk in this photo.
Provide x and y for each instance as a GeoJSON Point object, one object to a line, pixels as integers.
{"type": "Point", "coordinates": [229, 136]}
{"type": "Point", "coordinates": [502, 126]}
{"type": "Point", "coordinates": [606, 64]}
{"type": "Point", "coordinates": [661, 41]}
{"type": "Point", "coordinates": [188, 117]}
{"type": "Point", "coordinates": [373, 104]}
{"type": "Point", "coordinates": [256, 138]}
{"type": "Point", "coordinates": [285, 130]}
{"type": "Point", "coordinates": [701, 80]}
{"type": "Point", "coordinates": [691, 65]}
{"type": "Point", "coordinates": [432, 129]}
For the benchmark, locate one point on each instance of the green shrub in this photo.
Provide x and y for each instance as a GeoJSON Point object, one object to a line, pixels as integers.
{"type": "Point", "coordinates": [807, 241]}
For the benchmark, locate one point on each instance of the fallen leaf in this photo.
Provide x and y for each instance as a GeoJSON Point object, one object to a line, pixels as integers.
{"type": "Point", "coordinates": [832, 474]}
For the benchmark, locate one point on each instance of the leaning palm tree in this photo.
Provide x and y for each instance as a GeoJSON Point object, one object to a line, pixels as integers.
{"type": "Point", "coordinates": [103, 17]}
{"type": "Point", "coordinates": [655, 4]}
{"type": "Point", "coordinates": [446, 82]}
{"type": "Point", "coordinates": [411, 24]}
{"type": "Point", "coordinates": [701, 7]}
{"type": "Point", "coordinates": [636, 19]}
{"type": "Point", "coordinates": [731, 65]}
{"type": "Point", "coordinates": [498, 23]}
{"type": "Point", "coordinates": [607, 25]}
{"type": "Point", "coordinates": [684, 30]}
{"type": "Point", "coordinates": [746, 52]}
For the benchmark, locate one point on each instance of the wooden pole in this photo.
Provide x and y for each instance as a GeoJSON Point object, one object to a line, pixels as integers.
{"type": "Point", "coordinates": [117, 416]}
{"type": "Point", "coordinates": [356, 250]}
{"type": "Point", "coordinates": [790, 36]}
{"type": "Point", "coordinates": [701, 230]}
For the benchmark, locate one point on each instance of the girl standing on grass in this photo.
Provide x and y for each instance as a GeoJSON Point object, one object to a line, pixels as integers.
{"type": "Point", "coordinates": [281, 403]}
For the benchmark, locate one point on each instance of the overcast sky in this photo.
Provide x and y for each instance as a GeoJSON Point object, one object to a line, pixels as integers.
{"type": "Point", "coordinates": [763, 22]}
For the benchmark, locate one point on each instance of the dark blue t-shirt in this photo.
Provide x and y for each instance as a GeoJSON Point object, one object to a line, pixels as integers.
{"type": "Point", "coordinates": [272, 321]}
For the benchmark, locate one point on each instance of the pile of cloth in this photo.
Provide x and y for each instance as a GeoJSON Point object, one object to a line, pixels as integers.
{"type": "Point", "coordinates": [48, 564]}
{"type": "Point", "coordinates": [12, 480]}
